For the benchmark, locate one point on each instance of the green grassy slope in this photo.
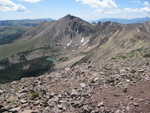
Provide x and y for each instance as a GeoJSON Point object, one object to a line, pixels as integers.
{"type": "Point", "coordinates": [9, 34]}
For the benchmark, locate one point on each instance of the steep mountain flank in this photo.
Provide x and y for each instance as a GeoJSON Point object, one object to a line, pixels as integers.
{"type": "Point", "coordinates": [48, 40]}
{"type": "Point", "coordinates": [70, 41]}
{"type": "Point", "coordinates": [67, 31]}
{"type": "Point", "coordinates": [123, 42]}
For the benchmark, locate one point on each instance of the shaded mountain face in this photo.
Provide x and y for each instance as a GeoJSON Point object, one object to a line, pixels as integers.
{"type": "Point", "coordinates": [71, 40]}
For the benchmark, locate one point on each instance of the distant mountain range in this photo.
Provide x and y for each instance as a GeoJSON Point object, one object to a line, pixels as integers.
{"type": "Point", "coordinates": [124, 21]}
{"type": "Point", "coordinates": [24, 22]}
{"type": "Point", "coordinates": [35, 22]}
{"type": "Point", "coordinates": [11, 30]}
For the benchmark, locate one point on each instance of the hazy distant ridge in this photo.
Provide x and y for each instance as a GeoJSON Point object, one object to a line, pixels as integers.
{"type": "Point", "coordinates": [125, 21]}
{"type": "Point", "coordinates": [24, 22]}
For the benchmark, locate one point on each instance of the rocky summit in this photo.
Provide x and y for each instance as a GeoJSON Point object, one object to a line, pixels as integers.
{"type": "Point", "coordinates": [73, 66]}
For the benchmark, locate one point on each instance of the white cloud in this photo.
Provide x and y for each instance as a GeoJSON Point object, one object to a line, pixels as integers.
{"type": "Point", "coordinates": [146, 3]}
{"type": "Point", "coordinates": [32, 1]}
{"type": "Point", "coordinates": [99, 3]}
{"type": "Point", "coordinates": [109, 8]}
{"type": "Point", "coordinates": [8, 5]}
{"type": "Point", "coordinates": [125, 12]}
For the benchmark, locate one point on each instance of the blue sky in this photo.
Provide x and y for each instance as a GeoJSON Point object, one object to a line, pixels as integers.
{"type": "Point", "coordinates": [86, 9]}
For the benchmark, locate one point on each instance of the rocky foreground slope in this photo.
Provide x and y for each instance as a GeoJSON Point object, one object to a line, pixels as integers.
{"type": "Point", "coordinates": [120, 86]}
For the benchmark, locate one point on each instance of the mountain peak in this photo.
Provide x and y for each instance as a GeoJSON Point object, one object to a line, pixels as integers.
{"type": "Point", "coordinates": [69, 17]}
